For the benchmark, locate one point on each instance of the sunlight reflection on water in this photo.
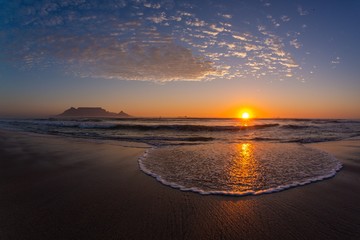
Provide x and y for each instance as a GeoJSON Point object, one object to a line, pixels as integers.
{"type": "Point", "coordinates": [238, 168]}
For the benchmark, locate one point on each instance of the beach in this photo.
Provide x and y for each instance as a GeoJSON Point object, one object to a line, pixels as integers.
{"type": "Point", "coordinates": [54, 187]}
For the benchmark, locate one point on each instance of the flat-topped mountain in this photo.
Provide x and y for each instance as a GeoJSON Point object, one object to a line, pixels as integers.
{"type": "Point", "coordinates": [91, 112]}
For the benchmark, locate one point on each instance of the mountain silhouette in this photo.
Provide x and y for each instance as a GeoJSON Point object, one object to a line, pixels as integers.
{"type": "Point", "coordinates": [91, 112]}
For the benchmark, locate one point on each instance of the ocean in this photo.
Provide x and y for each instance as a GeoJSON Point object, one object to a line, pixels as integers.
{"type": "Point", "coordinates": [215, 156]}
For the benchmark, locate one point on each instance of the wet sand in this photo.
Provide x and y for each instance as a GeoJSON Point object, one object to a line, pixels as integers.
{"type": "Point", "coordinates": [62, 188]}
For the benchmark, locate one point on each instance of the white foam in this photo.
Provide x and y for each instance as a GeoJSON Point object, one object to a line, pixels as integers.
{"type": "Point", "coordinates": [199, 189]}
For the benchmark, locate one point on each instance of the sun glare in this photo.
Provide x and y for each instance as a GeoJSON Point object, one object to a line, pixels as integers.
{"type": "Point", "coordinates": [245, 115]}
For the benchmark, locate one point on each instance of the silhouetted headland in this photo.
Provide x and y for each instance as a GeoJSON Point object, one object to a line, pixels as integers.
{"type": "Point", "coordinates": [91, 112]}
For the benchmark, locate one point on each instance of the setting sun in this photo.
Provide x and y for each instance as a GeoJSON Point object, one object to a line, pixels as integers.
{"type": "Point", "coordinates": [245, 115]}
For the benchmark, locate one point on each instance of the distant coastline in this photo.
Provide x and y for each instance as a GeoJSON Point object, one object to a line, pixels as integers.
{"type": "Point", "coordinates": [91, 112]}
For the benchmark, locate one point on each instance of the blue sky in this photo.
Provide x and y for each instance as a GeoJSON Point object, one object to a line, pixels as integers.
{"type": "Point", "coordinates": [173, 58]}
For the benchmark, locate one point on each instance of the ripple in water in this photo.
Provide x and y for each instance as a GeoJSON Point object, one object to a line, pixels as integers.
{"type": "Point", "coordinates": [238, 169]}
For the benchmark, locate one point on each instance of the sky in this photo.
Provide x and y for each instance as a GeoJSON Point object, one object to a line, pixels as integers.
{"type": "Point", "coordinates": [288, 59]}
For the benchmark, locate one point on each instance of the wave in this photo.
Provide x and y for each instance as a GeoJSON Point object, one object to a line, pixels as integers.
{"type": "Point", "coordinates": [262, 139]}
{"type": "Point", "coordinates": [172, 131]}
{"type": "Point", "coordinates": [145, 127]}
{"type": "Point", "coordinates": [334, 121]}
{"type": "Point", "coordinates": [192, 128]}
{"type": "Point", "coordinates": [314, 139]}
{"type": "Point", "coordinates": [292, 126]}
{"type": "Point", "coordinates": [151, 140]}
{"type": "Point", "coordinates": [323, 139]}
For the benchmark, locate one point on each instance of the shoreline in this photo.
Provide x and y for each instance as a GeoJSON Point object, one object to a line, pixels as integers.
{"type": "Point", "coordinates": [64, 188]}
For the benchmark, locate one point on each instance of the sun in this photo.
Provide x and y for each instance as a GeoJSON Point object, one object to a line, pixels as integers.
{"type": "Point", "coordinates": [245, 115]}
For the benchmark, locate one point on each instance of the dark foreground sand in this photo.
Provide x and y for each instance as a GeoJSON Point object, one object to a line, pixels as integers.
{"type": "Point", "coordinates": [61, 188]}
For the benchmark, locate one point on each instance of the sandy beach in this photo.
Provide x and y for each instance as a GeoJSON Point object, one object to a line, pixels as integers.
{"type": "Point", "coordinates": [63, 188]}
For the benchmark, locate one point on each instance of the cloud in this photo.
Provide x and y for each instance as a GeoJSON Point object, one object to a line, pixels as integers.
{"type": "Point", "coordinates": [195, 22]}
{"type": "Point", "coordinates": [175, 18]}
{"type": "Point", "coordinates": [182, 13]}
{"type": "Point", "coordinates": [239, 54]}
{"type": "Point", "coordinates": [152, 5]}
{"type": "Point", "coordinates": [147, 56]}
{"type": "Point", "coordinates": [261, 28]}
{"type": "Point", "coordinates": [295, 43]}
{"type": "Point", "coordinates": [226, 24]}
{"type": "Point", "coordinates": [231, 46]}
{"type": "Point", "coordinates": [289, 63]}
{"type": "Point", "coordinates": [273, 21]}
{"type": "Point", "coordinates": [156, 60]}
{"type": "Point", "coordinates": [158, 18]}
{"type": "Point", "coordinates": [215, 28]}
{"type": "Point", "coordinates": [200, 36]}
{"type": "Point", "coordinates": [241, 37]}
{"type": "Point", "coordinates": [166, 62]}
{"type": "Point", "coordinates": [227, 16]}
{"type": "Point", "coordinates": [252, 47]}
{"type": "Point", "coordinates": [150, 40]}
{"type": "Point", "coordinates": [211, 33]}
{"type": "Point", "coordinates": [301, 11]}
{"type": "Point", "coordinates": [336, 60]}
{"type": "Point", "coordinates": [285, 18]}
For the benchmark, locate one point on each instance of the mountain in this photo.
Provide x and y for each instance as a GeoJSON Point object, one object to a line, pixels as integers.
{"type": "Point", "coordinates": [123, 114]}
{"type": "Point", "coordinates": [91, 112]}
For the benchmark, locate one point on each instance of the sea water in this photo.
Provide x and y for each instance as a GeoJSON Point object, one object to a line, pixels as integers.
{"type": "Point", "coordinates": [215, 156]}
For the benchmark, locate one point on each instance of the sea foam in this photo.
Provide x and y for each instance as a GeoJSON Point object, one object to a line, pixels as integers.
{"type": "Point", "coordinates": [238, 169]}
